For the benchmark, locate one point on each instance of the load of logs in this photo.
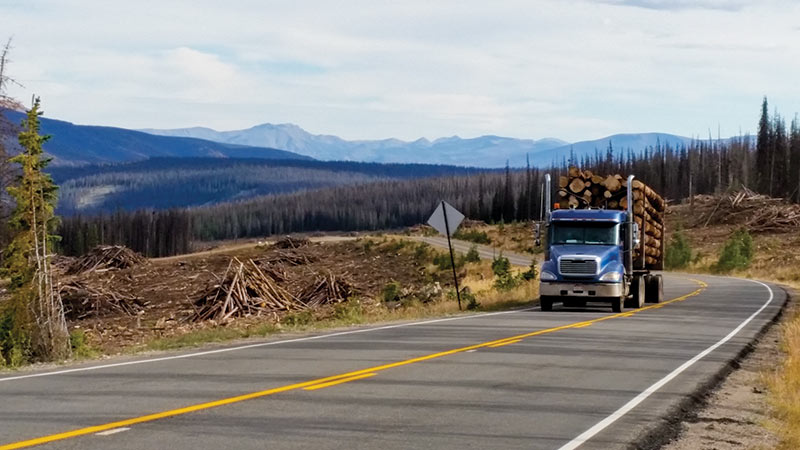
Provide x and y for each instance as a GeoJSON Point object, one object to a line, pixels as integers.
{"type": "Point", "coordinates": [105, 257]}
{"type": "Point", "coordinates": [82, 301]}
{"type": "Point", "coordinates": [584, 189]}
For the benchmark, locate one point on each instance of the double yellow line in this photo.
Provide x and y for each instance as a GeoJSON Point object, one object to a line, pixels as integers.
{"type": "Point", "coordinates": [321, 383]}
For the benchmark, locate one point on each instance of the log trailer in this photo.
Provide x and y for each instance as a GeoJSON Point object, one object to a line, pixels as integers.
{"type": "Point", "coordinates": [604, 246]}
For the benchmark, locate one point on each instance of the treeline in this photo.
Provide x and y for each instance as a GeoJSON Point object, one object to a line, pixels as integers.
{"type": "Point", "coordinates": [702, 167]}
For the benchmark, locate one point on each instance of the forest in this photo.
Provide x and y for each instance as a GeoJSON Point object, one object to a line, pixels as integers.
{"type": "Point", "coordinates": [163, 183]}
{"type": "Point", "coordinates": [768, 163]}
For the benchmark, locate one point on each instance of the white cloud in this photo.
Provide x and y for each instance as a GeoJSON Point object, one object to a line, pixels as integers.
{"type": "Point", "coordinates": [365, 69]}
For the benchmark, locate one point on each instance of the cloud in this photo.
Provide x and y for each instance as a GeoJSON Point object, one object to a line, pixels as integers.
{"type": "Point", "coordinates": [724, 5]}
{"type": "Point", "coordinates": [363, 69]}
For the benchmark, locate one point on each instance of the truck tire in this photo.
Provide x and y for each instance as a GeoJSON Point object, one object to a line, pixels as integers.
{"type": "Point", "coordinates": [617, 303]}
{"type": "Point", "coordinates": [546, 303]}
{"type": "Point", "coordinates": [655, 289]}
{"type": "Point", "coordinates": [638, 291]}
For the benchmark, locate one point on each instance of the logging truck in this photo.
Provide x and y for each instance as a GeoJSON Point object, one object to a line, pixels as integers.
{"type": "Point", "coordinates": [603, 238]}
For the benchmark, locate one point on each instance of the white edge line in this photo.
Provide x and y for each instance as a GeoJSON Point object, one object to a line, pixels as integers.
{"type": "Point", "coordinates": [260, 344]}
{"type": "Point", "coordinates": [112, 431]}
{"type": "Point", "coordinates": [616, 415]}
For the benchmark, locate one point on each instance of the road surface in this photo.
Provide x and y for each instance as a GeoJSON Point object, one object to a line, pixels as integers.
{"type": "Point", "coordinates": [516, 379]}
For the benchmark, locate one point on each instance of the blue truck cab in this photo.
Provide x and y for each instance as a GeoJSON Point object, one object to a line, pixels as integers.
{"type": "Point", "coordinates": [588, 258]}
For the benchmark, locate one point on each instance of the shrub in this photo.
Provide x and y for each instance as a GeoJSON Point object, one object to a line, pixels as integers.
{"type": "Point", "coordinates": [504, 279]}
{"type": "Point", "coordinates": [298, 319]}
{"type": "Point", "coordinates": [478, 237]}
{"type": "Point", "coordinates": [422, 252]}
{"type": "Point", "coordinates": [472, 255]}
{"type": "Point", "coordinates": [80, 345]}
{"type": "Point", "coordinates": [391, 292]}
{"type": "Point", "coordinates": [737, 252]}
{"type": "Point", "coordinates": [442, 261]}
{"type": "Point", "coordinates": [531, 273]}
{"type": "Point", "coordinates": [470, 299]}
{"type": "Point", "coordinates": [678, 252]}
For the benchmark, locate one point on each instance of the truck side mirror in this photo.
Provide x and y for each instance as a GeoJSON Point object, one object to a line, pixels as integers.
{"type": "Point", "coordinates": [636, 239]}
{"type": "Point", "coordinates": [537, 234]}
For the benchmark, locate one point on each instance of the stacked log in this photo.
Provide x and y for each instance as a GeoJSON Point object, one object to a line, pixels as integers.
{"type": "Point", "coordinates": [584, 189]}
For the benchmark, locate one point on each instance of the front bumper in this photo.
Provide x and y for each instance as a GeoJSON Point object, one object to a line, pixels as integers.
{"type": "Point", "coordinates": [567, 289]}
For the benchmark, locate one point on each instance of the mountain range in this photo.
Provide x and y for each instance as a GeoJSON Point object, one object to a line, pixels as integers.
{"type": "Point", "coordinates": [484, 151]}
{"type": "Point", "coordinates": [76, 145]}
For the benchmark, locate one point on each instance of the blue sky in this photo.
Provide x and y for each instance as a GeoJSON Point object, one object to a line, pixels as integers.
{"type": "Point", "coordinates": [572, 69]}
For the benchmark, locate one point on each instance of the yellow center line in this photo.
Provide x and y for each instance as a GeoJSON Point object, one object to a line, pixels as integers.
{"type": "Point", "coordinates": [349, 376]}
{"type": "Point", "coordinates": [339, 381]}
{"type": "Point", "coordinates": [514, 341]}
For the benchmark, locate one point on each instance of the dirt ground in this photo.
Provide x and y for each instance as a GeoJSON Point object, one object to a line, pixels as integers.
{"type": "Point", "coordinates": [167, 288]}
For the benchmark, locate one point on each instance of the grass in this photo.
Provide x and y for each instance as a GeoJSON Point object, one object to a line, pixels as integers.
{"type": "Point", "coordinates": [784, 385]}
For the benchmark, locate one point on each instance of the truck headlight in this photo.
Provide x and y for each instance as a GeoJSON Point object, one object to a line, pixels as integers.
{"type": "Point", "coordinates": [547, 276]}
{"type": "Point", "coordinates": [611, 276]}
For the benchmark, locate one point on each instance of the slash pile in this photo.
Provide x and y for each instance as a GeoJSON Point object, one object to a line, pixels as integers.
{"type": "Point", "coordinates": [82, 300]}
{"type": "Point", "coordinates": [105, 257]}
{"type": "Point", "coordinates": [584, 189]}
{"type": "Point", "coordinates": [758, 213]}
{"type": "Point", "coordinates": [327, 289]}
{"type": "Point", "coordinates": [243, 290]}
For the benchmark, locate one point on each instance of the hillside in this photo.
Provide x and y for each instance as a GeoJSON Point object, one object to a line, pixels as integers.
{"type": "Point", "coordinates": [184, 182]}
{"type": "Point", "coordinates": [74, 145]}
{"type": "Point", "coordinates": [483, 151]}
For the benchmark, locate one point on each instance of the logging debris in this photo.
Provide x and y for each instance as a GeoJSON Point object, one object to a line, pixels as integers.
{"type": "Point", "coordinates": [243, 290]}
{"type": "Point", "coordinates": [82, 300]}
{"type": "Point", "coordinates": [292, 242]}
{"type": "Point", "coordinates": [756, 212]}
{"type": "Point", "coordinates": [105, 257]}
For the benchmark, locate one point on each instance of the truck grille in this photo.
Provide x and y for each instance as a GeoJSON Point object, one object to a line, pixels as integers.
{"type": "Point", "coordinates": [578, 267]}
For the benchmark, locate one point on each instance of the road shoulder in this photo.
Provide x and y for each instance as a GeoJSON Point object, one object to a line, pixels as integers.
{"type": "Point", "coordinates": [735, 413]}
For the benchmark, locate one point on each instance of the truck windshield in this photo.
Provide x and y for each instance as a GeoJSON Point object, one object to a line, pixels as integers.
{"type": "Point", "coordinates": [584, 233]}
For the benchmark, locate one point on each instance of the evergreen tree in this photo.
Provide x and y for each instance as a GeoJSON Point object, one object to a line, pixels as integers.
{"type": "Point", "coordinates": [763, 150]}
{"type": "Point", "coordinates": [35, 314]}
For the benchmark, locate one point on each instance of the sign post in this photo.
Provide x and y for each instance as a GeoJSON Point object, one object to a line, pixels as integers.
{"type": "Point", "coordinates": [446, 219]}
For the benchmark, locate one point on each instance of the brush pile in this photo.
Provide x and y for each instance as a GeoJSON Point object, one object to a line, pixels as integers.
{"type": "Point", "coordinates": [758, 213]}
{"type": "Point", "coordinates": [292, 242]}
{"type": "Point", "coordinates": [327, 289]}
{"type": "Point", "coordinates": [584, 189]}
{"type": "Point", "coordinates": [244, 290]}
{"type": "Point", "coordinates": [106, 257]}
{"type": "Point", "coordinates": [82, 301]}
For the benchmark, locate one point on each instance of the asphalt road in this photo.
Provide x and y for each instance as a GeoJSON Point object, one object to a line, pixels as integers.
{"type": "Point", "coordinates": [485, 251]}
{"type": "Point", "coordinates": [520, 379]}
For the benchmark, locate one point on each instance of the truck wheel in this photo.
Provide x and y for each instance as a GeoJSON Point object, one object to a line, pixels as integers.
{"type": "Point", "coordinates": [636, 300]}
{"type": "Point", "coordinates": [616, 304]}
{"type": "Point", "coordinates": [655, 289]}
{"type": "Point", "coordinates": [546, 303]}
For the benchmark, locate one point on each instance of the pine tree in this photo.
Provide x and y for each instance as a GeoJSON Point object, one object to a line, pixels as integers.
{"type": "Point", "coordinates": [38, 328]}
{"type": "Point", "coordinates": [794, 158]}
{"type": "Point", "coordinates": [763, 150]}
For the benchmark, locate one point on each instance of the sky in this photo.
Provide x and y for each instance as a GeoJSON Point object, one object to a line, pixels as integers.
{"type": "Point", "coordinates": [570, 69]}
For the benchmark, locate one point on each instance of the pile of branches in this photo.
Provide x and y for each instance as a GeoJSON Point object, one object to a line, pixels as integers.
{"type": "Point", "coordinates": [584, 189]}
{"type": "Point", "coordinates": [82, 301]}
{"type": "Point", "coordinates": [292, 242]}
{"type": "Point", "coordinates": [756, 212]}
{"type": "Point", "coordinates": [105, 257]}
{"type": "Point", "coordinates": [291, 257]}
{"type": "Point", "coordinates": [244, 290]}
{"type": "Point", "coordinates": [327, 289]}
